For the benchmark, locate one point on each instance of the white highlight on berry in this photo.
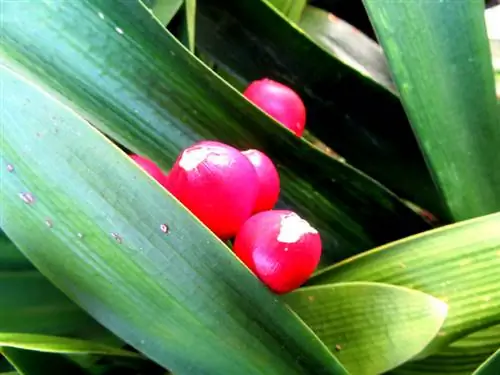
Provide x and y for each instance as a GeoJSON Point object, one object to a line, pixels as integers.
{"type": "Point", "coordinates": [293, 227]}
{"type": "Point", "coordinates": [192, 158]}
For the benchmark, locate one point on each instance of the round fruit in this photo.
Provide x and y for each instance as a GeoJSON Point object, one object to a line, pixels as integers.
{"type": "Point", "coordinates": [269, 180]}
{"type": "Point", "coordinates": [150, 167]}
{"type": "Point", "coordinates": [217, 184]}
{"type": "Point", "coordinates": [280, 102]}
{"type": "Point", "coordinates": [280, 247]}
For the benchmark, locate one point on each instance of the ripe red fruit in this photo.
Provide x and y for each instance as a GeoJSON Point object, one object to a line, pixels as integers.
{"type": "Point", "coordinates": [280, 102]}
{"type": "Point", "coordinates": [268, 178]}
{"type": "Point", "coordinates": [281, 248]}
{"type": "Point", "coordinates": [150, 167]}
{"type": "Point", "coordinates": [217, 184]}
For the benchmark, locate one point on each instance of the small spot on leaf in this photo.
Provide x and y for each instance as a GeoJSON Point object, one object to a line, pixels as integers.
{"type": "Point", "coordinates": [338, 348]}
{"type": "Point", "coordinates": [49, 223]}
{"type": "Point", "coordinates": [27, 198]}
{"type": "Point", "coordinates": [117, 237]}
{"type": "Point", "coordinates": [10, 168]}
{"type": "Point", "coordinates": [164, 228]}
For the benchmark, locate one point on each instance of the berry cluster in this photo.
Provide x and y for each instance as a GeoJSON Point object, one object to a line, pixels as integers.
{"type": "Point", "coordinates": [234, 192]}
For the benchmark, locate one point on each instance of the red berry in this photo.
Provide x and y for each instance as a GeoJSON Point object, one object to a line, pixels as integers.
{"type": "Point", "coordinates": [217, 184]}
{"type": "Point", "coordinates": [150, 167]}
{"type": "Point", "coordinates": [281, 248]}
{"type": "Point", "coordinates": [268, 177]}
{"type": "Point", "coordinates": [280, 102]}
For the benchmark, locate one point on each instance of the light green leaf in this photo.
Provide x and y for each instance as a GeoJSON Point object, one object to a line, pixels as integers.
{"type": "Point", "coordinates": [292, 9]}
{"type": "Point", "coordinates": [439, 55]}
{"type": "Point", "coordinates": [164, 293]}
{"type": "Point", "coordinates": [157, 98]}
{"type": "Point", "coordinates": [164, 10]}
{"type": "Point", "coordinates": [457, 263]}
{"type": "Point", "coordinates": [61, 345]}
{"type": "Point", "coordinates": [372, 327]}
{"type": "Point", "coordinates": [191, 23]}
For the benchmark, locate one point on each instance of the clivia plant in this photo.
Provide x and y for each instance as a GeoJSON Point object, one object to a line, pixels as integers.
{"type": "Point", "coordinates": [248, 187]}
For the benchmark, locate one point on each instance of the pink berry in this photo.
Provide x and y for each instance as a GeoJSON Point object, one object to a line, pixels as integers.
{"type": "Point", "coordinates": [280, 102]}
{"type": "Point", "coordinates": [268, 177]}
{"type": "Point", "coordinates": [150, 167]}
{"type": "Point", "coordinates": [280, 247]}
{"type": "Point", "coordinates": [217, 184]}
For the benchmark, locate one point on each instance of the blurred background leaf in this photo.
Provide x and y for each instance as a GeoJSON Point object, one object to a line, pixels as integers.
{"type": "Point", "coordinates": [291, 9]}
{"type": "Point", "coordinates": [157, 99]}
{"type": "Point", "coordinates": [491, 366]}
{"type": "Point", "coordinates": [160, 292]}
{"type": "Point", "coordinates": [372, 327]}
{"type": "Point", "coordinates": [440, 58]}
{"type": "Point", "coordinates": [348, 44]}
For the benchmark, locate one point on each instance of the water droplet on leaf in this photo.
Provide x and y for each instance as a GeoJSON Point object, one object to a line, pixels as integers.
{"type": "Point", "coordinates": [49, 223]}
{"type": "Point", "coordinates": [10, 168]}
{"type": "Point", "coordinates": [164, 228]}
{"type": "Point", "coordinates": [27, 198]}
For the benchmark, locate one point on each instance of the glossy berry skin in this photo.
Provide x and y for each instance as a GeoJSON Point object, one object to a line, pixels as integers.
{"type": "Point", "coordinates": [268, 177]}
{"type": "Point", "coordinates": [281, 249]}
{"type": "Point", "coordinates": [217, 183]}
{"type": "Point", "coordinates": [280, 102]}
{"type": "Point", "coordinates": [149, 167]}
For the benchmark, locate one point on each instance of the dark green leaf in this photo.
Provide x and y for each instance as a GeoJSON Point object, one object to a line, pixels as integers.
{"type": "Point", "coordinates": [491, 366]}
{"type": "Point", "coordinates": [157, 98]}
{"type": "Point", "coordinates": [11, 259]}
{"type": "Point", "coordinates": [29, 303]}
{"type": "Point", "coordinates": [349, 112]}
{"type": "Point", "coordinates": [439, 55]}
{"type": "Point", "coordinates": [347, 44]}
{"type": "Point", "coordinates": [372, 327]}
{"type": "Point", "coordinates": [28, 362]}
{"type": "Point", "coordinates": [458, 264]}
{"type": "Point", "coordinates": [163, 293]}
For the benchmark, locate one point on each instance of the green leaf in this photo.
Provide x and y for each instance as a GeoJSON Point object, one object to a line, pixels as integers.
{"type": "Point", "coordinates": [491, 366]}
{"type": "Point", "coordinates": [30, 304]}
{"type": "Point", "coordinates": [457, 263]}
{"type": "Point", "coordinates": [28, 362]}
{"type": "Point", "coordinates": [157, 99]}
{"type": "Point", "coordinates": [163, 293]}
{"type": "Point", "coordinates": [292, 9]}
{"type": "Point", "coordinates": [446, 83]}
{"type": "Point", "coordinates": [61, 345]}
{"type": "Point", "coordinates": [254, 41]}
{"type": "Point", "coordinates": [191, 23]}
{"type": "Point", "coordinates": [462, 357]}
{"type": "Point", "coordinates": [372, 327]}
{"type": "Point", "coordinates": [164, 11]}
{"type": "Point", "coordinates": [11, 259]}
{"type": "Point", "coordinates": [347, 44]}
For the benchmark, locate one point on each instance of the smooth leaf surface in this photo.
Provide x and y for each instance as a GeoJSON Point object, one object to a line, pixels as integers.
{"type": "Point", "coordinates": [162, 292]}
{"type": "Point", "coordinates": [371, 327]}
{"type": "Point", "coordinates": [255, 41]}
{"type": "Point", "coordinates": [156, 99]}
{"type": "Point", "coordinates": [491, 366]}
{"type": "Point", "coordinates": [446, 84]}
{"type": "Point", "coordinates": [29, 303]}
{"type": "Point", "coordinates": [61, 345]}
{"type": "Point", "coordinates": [457, 263]}
{"type": "Point", "coordinates": [348, 44]}
{"type": "Point", "coordinates": [28, 362]}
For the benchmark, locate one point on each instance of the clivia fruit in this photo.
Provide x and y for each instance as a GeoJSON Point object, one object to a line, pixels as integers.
{"type": "Point", "coordinates": [268, 179]}
{"type": "Point", "coordinates": [217, 183]}
{"type": "Point", "coordinates": [280, 247]}
{"type": "Point", "coordinates": [280, 102]}
{"type": "Point", "coordinates": [149, 167]}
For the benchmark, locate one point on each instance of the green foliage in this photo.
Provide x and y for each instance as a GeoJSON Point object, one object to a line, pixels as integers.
{"type": "Point", "coordinates": [395, 144]}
